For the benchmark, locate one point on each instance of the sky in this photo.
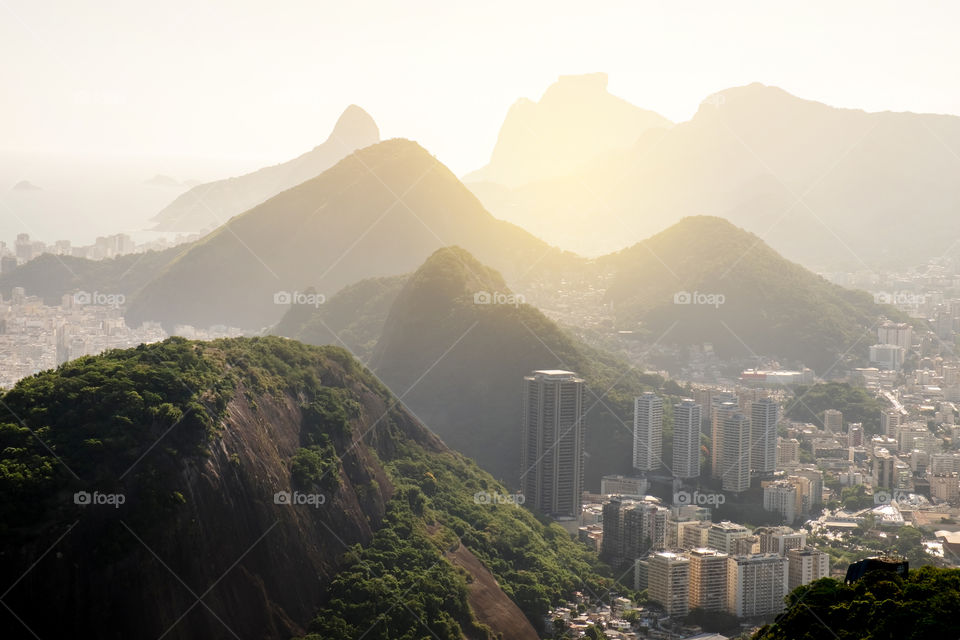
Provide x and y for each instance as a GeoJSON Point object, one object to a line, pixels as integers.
{"type": "Point", "coordinates": [258, 82]}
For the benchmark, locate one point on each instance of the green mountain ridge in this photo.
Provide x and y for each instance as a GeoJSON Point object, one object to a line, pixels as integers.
{"type": "Point", "coordinates": [705, 280]}
{"type": "Point", "coordinates": [458, 363]}
{"type": "Point", "coordinates": [51, 277]}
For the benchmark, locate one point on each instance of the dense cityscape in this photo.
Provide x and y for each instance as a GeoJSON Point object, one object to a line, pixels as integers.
{"type": "Point", "coordinates": [827, 486]}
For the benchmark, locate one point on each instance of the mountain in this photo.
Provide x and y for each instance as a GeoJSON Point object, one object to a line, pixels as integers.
{"type": "Point", "coordinates": [353, 318]}
{"type": "Point", "coordinates": [164, 181]}
{"type": "Point", "coordinates": [458, 365]}
{"type": "Point", "coordinates": [574, 122]}
{"type": "Point", "coordinates": [26, 185]}
{"type": "Point", "coordinates": [827, 187]}
{"type": "Point", "coordinates": [706, 280]}
{"type": "Point", "coordinates": [379, 212]}
{"type": "Point", "coordinates": [211, 204]}
{"type": "Point", "coordinates": [256, 487]}
{"type": "Point", "coordinates": [51, 277]}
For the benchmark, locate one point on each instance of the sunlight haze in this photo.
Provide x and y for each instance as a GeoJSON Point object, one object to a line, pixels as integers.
{"type": "Point", "coordinates": [231, 79]}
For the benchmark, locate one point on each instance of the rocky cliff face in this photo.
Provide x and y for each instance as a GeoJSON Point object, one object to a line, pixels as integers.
{"type": "Point", "coordinates": [574, 122]}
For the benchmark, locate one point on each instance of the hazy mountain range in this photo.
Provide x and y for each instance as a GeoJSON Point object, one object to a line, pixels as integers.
{"type": "Point", "coordinates": [824, 186]}
{"type": "Point", "coordinates": [211, 204]}
{"type": "Point", "coordinates": [381, 211]}
{"type": "Point", "coordinates": [457, 362]}
{"type": "Point", "coordinates": [704, 280]}
{"type": "Point", "coordinates": [447, 352]}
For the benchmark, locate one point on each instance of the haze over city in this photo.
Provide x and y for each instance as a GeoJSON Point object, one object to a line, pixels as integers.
{"type": "Point", "coordinates": [495, 321]}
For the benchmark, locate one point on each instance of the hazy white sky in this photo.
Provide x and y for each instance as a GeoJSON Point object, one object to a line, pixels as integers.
{"type": "Point", "coordinates": [267, 80]}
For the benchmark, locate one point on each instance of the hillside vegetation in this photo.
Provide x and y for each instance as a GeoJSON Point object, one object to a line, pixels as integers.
{"type": "Point", "coordinates": [881, 606]}
{"type": "Point", "coordinates": [50, 276]}
{"type": "Point", "coordinates": [459, 365]}
{"type": "Point", "coordinates": [705, 280]}
{"type": "Point", "coordinates": [198, 439]}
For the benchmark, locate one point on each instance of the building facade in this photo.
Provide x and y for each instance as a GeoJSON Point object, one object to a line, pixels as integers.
{"type": "Point", "coordinates": [686, 439]}
{"type": "Point", "coordinates": [647, 432]}
{"type": "Point", "coordinates": [551, 475]}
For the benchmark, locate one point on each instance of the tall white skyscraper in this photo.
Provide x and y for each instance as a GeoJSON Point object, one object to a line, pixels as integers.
{"type": "Point", "coordinates": [735, 458]}
{"type": "Point", "coordinates": [647, 432]}
{"type": "Point", "coordinates": [722, 406]}
{"type": "Point", "coordinates": [764, 416]}
{"type": "Point", "coordinates": [686, 439]}
{"type": "Point", "coordinates": [551, 474]}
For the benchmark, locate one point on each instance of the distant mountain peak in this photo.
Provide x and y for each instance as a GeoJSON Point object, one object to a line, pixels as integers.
{"type": "Point", "coordinates": [463, 272]}
{"type": "Point", "coordinates": [213, 203]}
{"type": "Point", "coordinates": [355, 124]}
{"type": "Point", "coordinates": [26, 185]}
{"type": "Point", "coordinates": [755, 96]}
{"type": "Point", "coordinates": [575, 121]}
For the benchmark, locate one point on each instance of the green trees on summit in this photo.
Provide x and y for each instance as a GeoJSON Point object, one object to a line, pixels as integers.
{"type": "Point", "coordinates": [881, 606]}
{"type": "Point", "coordinates": [134, 415]}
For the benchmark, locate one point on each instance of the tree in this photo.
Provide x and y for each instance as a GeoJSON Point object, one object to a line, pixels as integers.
{"type": "Point", "coordinates": [595, 633]}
